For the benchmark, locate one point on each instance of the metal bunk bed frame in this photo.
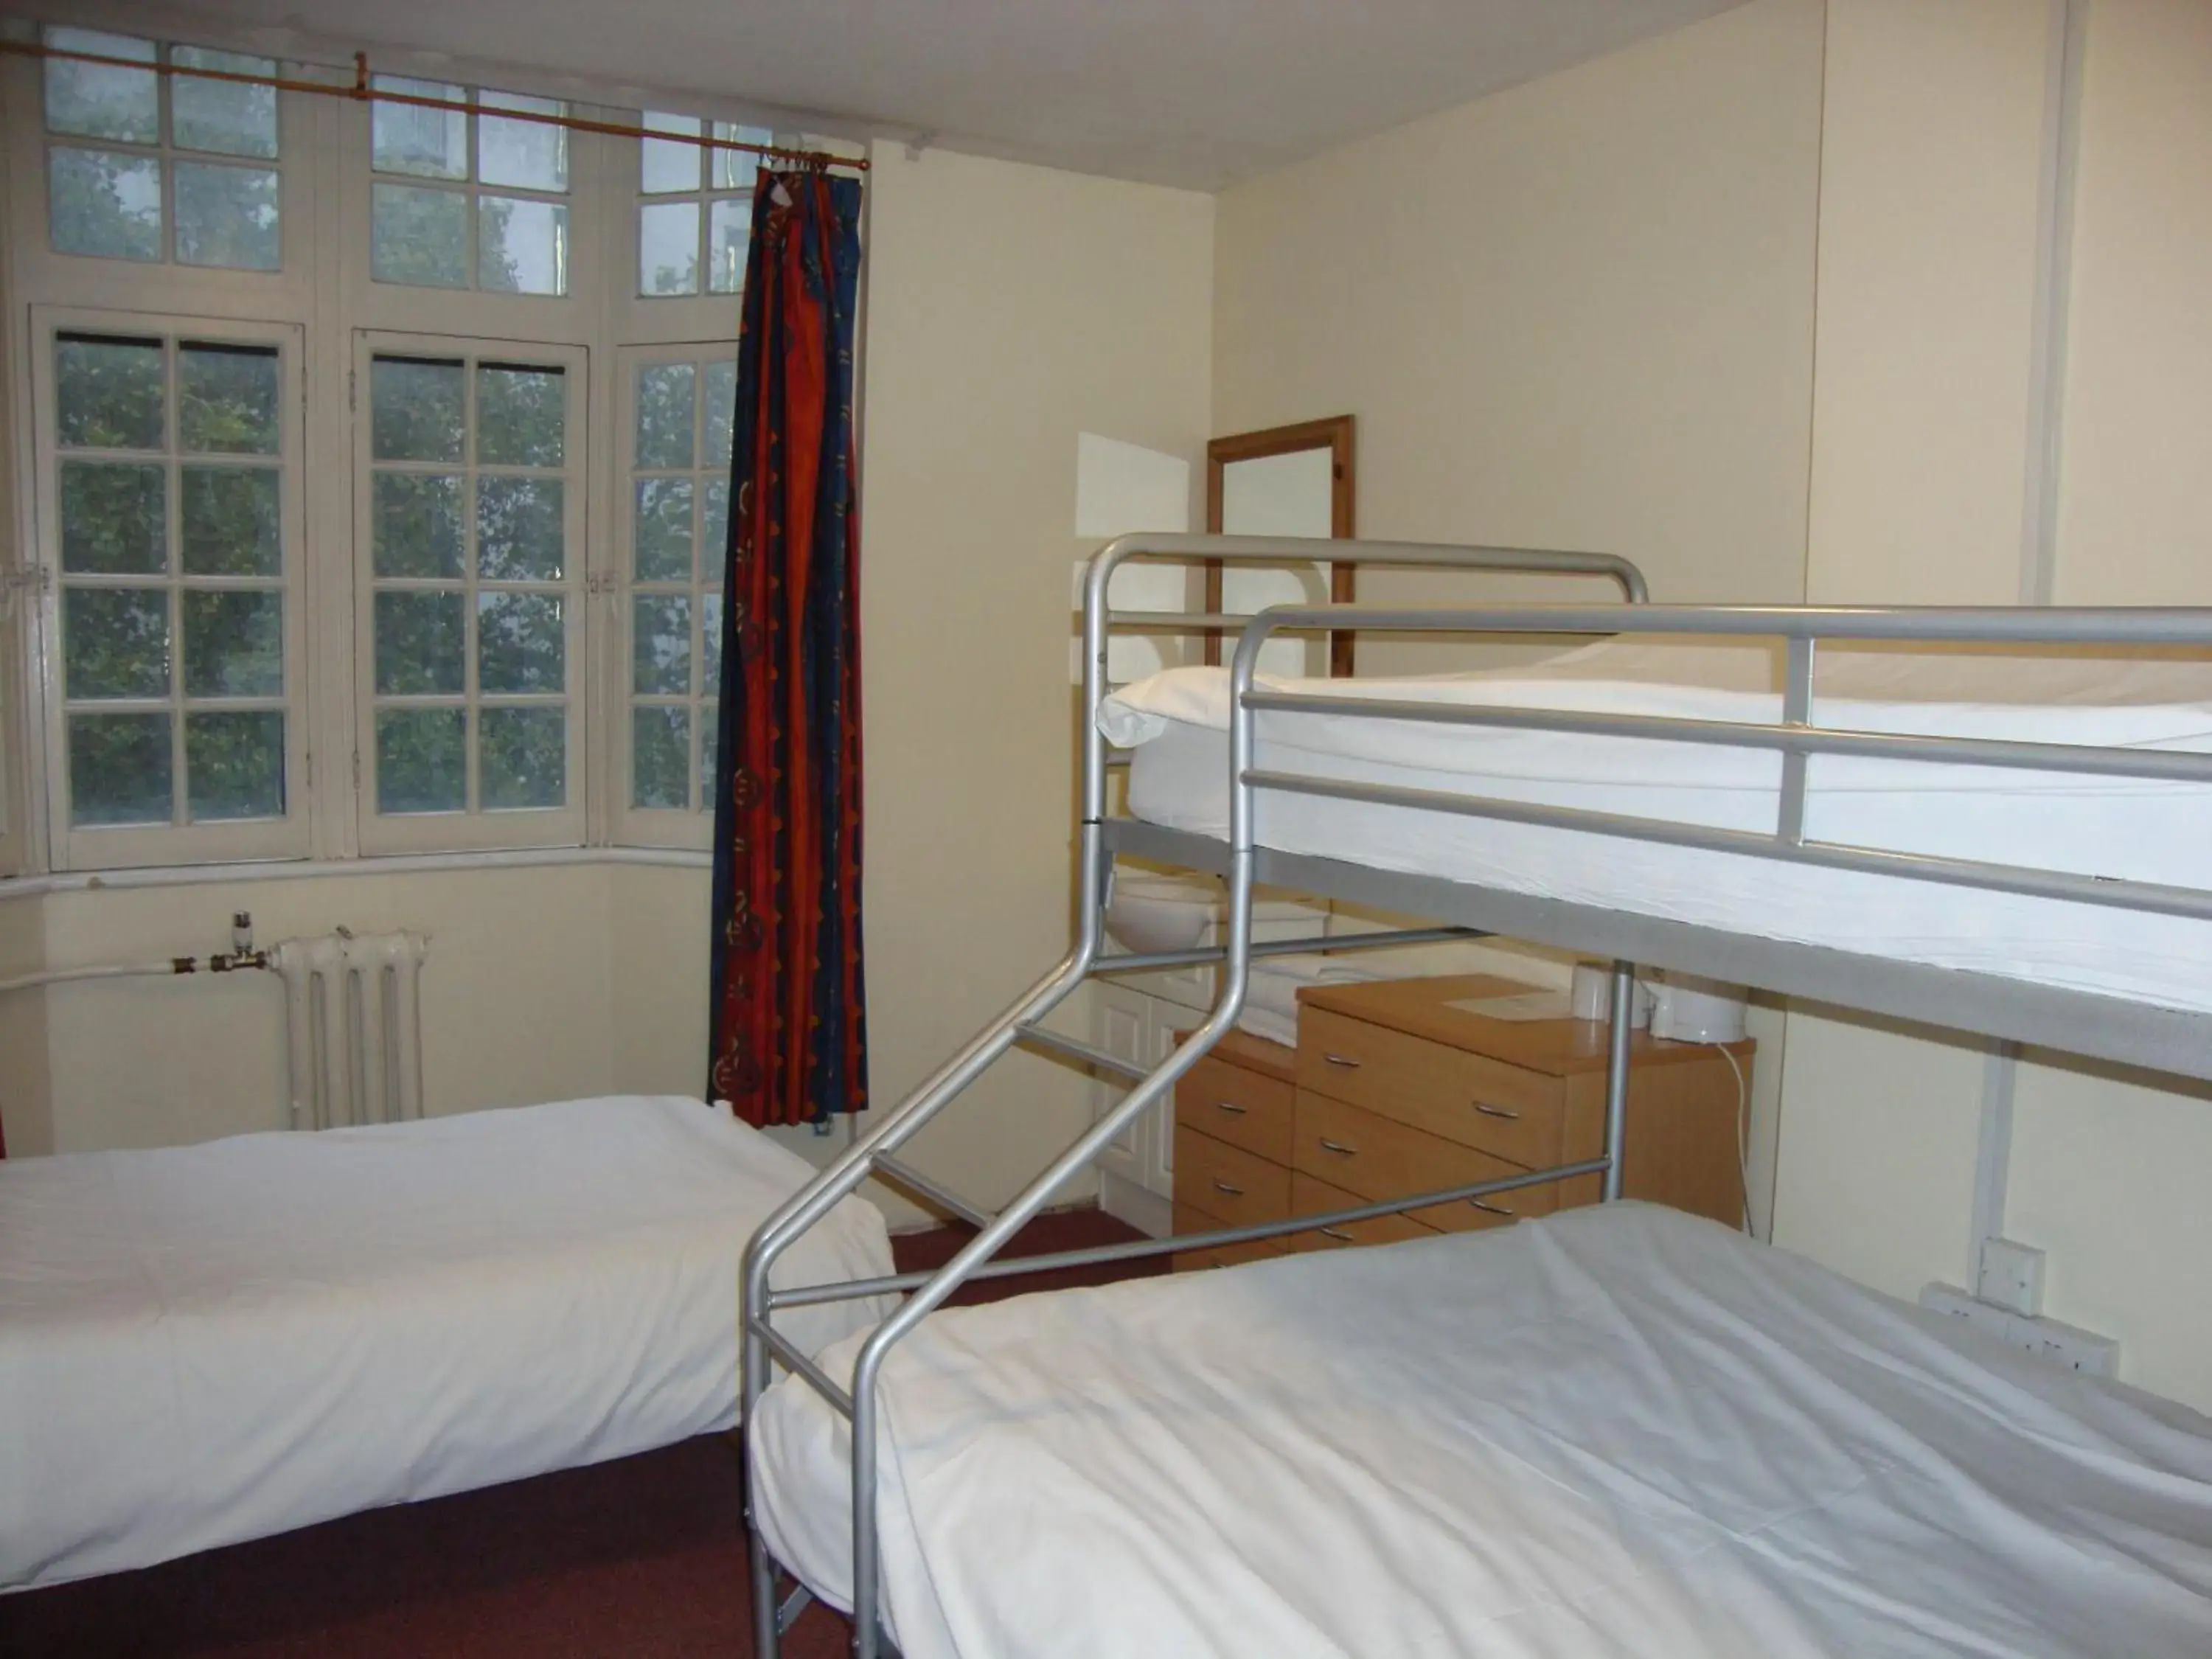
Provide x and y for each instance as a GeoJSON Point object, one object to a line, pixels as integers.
{"type": "Point", "coordinates": [2091, 1024]}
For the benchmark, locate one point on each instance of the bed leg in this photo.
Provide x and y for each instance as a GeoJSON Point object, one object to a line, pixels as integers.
{"type": "Point", "coordinates": [1616, 1076]}
{"type": "Point", "coordinates": [768, 1628]}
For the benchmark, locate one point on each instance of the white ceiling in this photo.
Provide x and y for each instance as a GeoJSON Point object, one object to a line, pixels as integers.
{"type": "Point", "coordinates": [1197, 93]}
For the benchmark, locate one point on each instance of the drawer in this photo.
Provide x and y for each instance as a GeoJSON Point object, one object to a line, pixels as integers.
{"type": "Point", "coordinates": [1239, 1106]}
{"type": "Point", "coordinates": [1188, 1220]}
{"type": "Point", "coordinates": [1311, 1197]}
{"type": "Point", "coordinates": [1376, 1156]}
{"type": "Point", "coordinates": [1235, 1187]}
{"type": "Point", "coordinates": [1498, 1210]}
{"type": "Point", "coordinates": [1506, 1111]}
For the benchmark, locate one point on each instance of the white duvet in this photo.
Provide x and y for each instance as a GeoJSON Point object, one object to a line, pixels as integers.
{"type": "Point", "coordinates": [207, 1344]}
{"type": "Point", "coordinates": [2135, 828]}
{"type": "Point", "coordinates": [1620, 1431]}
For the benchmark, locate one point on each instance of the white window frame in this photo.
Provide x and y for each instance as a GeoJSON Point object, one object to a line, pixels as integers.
{"type": "Point", "coordinates": [474, 828]}
{"type": "Point", "coordinates": [693, 825]}
{"type": "Point", "coordinates": [166, 153]}
{"type": "Point", "coordinates": [121, 846]}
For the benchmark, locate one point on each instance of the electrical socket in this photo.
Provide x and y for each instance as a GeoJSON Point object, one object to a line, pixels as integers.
{"type": "Point", "coordinates": [2011, 1275]}
{"type": "Point", "coordinates": [2066, 1345]}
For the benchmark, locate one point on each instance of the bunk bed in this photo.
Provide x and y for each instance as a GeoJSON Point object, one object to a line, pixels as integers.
{"type": "Point", "coordinates": [1617, 1430]}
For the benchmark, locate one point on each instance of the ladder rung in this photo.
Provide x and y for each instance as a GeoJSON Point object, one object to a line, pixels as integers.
{"type": "Point", "coordinates": [906, 1176]}
{"type": "Point", "coordinates": [1037, 1036]}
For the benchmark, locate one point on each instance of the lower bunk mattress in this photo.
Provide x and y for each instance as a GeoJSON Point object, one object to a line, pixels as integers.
{"type": "Point", "coordinates": [1619, 1431]}
{"type": "Point", "coordinates": [2149, 830]}
{"type": "Point", "coordinates": [207, 1344]}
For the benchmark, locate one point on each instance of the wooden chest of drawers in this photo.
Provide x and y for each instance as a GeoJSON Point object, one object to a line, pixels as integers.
{"type": "Point", "coordinates": [1405, 1086]}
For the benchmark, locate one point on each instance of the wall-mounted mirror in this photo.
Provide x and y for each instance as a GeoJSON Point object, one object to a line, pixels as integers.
{"type": "Point", "coordinates": [1286, 481]}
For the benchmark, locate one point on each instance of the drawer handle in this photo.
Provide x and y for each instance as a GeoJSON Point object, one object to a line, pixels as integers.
{"type": "Point", "coordinates": [1337, 1146]}
{"type": "Point", "coordinates": [1220, 1185]}
{"type": "Point", "coordinates": [1337, 1233]}
{"type": "Point", "coordinates": [1489, 1110]}
{"type": "Point", "coordinates": [1345, 1060]}
{"type": "Point", "coordinates": [1230, 1106]}
{"type": "Point", "coordinates": [1493, 1209]}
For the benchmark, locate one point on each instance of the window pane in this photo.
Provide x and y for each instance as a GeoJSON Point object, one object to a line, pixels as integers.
{"type": "Point", "coordinates": [663, 414]}
{"type": "Point", "coordinates": [416, 403]}
{"type": "Point", "coordinates": [660, 758]}
{"type": "Point", "coordinates": [523, 246]}
{"type": "Point", "coordinates": [230, 521]}
{"type": "Point", "coordinates": [420, 643]}
{"type": "Point", "coordinates": [227, 217]}
{"type": "Point", "coordinates": [108, 394]}
{"type": "Point", "coordinates": [116, 641]}
{"type": "Point", "coordinates": [519, 530]}
{"type": "Point", "coordinates": [234, 643]}
{"type": "Point", "coordinates": [521, 645]}
{"type": "Point", "coordinates": [734, 169]}
{"type": "Point", "coordinates": [715, 527]}
{"type": "Point", "coordinates": [718, 385]}
{"type": "Point", "coordinates": [522, 415]}
{"type": "Point", "coordinates": [663, 166]}
{"type": "Point", "coordinates": [226, 399]}
{"type": "Point", "coordinates": [663, 550]}
{"type": "Point", "coordinates": [528, 155]}
{"type": "Point", "coordinates": [416, 525]}
{"type": "Point", "coordinates": [105, 204]}
{"type": "Point", "coordinates": [120, 770]}
{"type": "Point", "coordinates": [222, 115]}
{"type": "Point", "coordinates": [525, 757]}
{"type": "Point", "coordinates": [419, 236]}
{"type": "Point", "coordinates": [667, 248]}
{"type": "Point", "coordinates": [113, 520]}
{"type": "Point", "coordinates": [421, 760]}
{"type": "Point", "coordinates": [234, 765]}
{"type": "Point", "coordinates": [660, 644]}
{"type": "Point", "coordinates": [710, 742]}
{"type": "Point", "coordinates": [728, 224]}
{"type": "Point", "coordinates": [710, 643]}
{"type": "Point", "coordinates": [101, 100]}
{"type": "Point", "coordinates": [433, 143]}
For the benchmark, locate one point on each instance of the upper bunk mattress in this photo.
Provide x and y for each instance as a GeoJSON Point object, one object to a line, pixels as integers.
{"type": "Point", "coordinates": [2131, 829]}
{"type": "Point", "coordinates": [206, 1344]}
{"type": "Point", "coordinates": [1621, 1431]}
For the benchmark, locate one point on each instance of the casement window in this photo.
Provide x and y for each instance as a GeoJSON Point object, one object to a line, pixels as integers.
{"type": "Point", "coordinates": [468, 200]}
{"type": "Point", "coordinates": [168, 500]}
{"type": "Point", "coordinates": [144, 166]}
{"type": "Point", "coordinates": [675, 531]}
{"type": "Point", "coordinates": [371, 464]}
{"type": "Point", "coordinates": [469, 630]}
{"type": "Point", "coordinates": [695, 208]}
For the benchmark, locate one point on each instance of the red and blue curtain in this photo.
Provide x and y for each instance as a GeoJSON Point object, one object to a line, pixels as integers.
{"type": "Point", "coordinates": [789, 1027]}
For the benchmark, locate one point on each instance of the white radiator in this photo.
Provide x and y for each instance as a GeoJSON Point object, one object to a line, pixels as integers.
{"type": "Point", "coordinates": [353, 1027]}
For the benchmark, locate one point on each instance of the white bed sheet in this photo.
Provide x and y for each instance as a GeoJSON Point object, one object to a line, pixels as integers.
{"type": "Point", "coordinates": [2139, 830]}
{"type": "Point", "coordinates": [212, 1343]}
{"type": "Point", "coordinates": [1622, 1431]}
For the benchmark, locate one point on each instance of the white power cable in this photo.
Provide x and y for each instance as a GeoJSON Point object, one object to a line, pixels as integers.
{"type": "Point", "coordinates": [1742, 1130]}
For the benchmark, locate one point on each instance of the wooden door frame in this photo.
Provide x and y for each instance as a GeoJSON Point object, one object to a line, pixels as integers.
{"type": "Point", "coordinates": [1334, 434]}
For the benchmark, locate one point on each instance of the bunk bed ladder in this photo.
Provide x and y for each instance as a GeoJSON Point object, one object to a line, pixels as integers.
{"type": "Point", "coordinates": [1023, 1024]}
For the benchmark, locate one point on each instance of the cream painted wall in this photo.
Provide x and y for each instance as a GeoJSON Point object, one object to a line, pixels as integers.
{"type": "Point", "coordinates": [1010, 309]}
{"type": "Point", "coordinates": [1573, 315]}
{"type": "Point", "coordinates": [1579, 313]}
{"type": "Point", "coordinates": [1928, 258]}
{"type": "Point", "coordinates": [1930, 162]}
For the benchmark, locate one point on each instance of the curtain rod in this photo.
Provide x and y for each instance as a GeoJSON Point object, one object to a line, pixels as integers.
{"type": "Point", "coordinates": [362, 92]}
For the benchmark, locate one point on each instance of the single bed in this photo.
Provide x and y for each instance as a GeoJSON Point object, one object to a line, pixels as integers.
{"type": "Point", "coordinates": [1619, 1431]}
{"type": "Point", "coordinates": [2145, 830]}
{"type": "Point", "coordinates": [207, 1344]}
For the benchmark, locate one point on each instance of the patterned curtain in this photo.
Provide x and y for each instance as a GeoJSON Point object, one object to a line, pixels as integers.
{"type": "Point", "coordinates": [790, 1038]}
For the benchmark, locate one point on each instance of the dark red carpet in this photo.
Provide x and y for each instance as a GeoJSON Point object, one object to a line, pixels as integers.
{"type": "Point", "coordinates": [643, 1559]}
